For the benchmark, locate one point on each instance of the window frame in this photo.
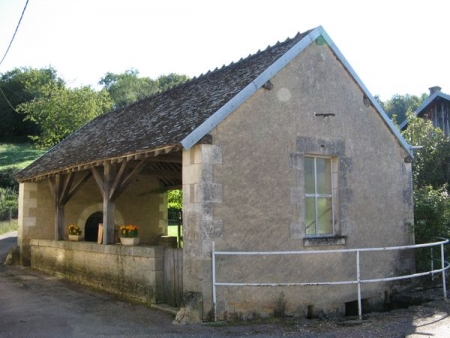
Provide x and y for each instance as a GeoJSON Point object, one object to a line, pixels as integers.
{"type": "Point", "coordinates": [317, 195]}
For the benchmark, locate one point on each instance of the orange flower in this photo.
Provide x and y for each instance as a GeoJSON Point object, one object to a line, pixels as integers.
{"type": "Point", "coordinates": [74, 230]}
{"type": "Point", "coordinates": [129, 230]}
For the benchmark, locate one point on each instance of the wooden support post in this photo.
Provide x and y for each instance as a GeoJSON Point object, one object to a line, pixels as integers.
{"type": "Point", "coordinates": [109, 205]}
{"type": "Point", "coordinates": [56, 187]}
{"type": "Point", "coordinates": [62, 190]}
{"type": "Point", "coordinates": [59, 222]}
{"type": "Point", "coordinates": [111, 185]}
{"type": "Point", "coordinates": [109, 208]}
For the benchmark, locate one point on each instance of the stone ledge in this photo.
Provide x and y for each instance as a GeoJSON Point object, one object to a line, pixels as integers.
{"type": "Point", "coordinates": [141, 250]}
{"type": "Point", "coordinates": [321, 241]}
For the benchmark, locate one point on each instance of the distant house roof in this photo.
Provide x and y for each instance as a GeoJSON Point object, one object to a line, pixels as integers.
{"type": "Point", "coordinates": [435, 94]}
{"type": "Point", "coordinates": [181, 116]}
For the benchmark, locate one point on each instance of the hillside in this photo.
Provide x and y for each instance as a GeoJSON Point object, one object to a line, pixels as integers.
{"type": "Point", "coordinates": [13, 157]}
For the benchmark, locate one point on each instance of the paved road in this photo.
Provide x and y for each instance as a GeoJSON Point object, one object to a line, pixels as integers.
{"type": "Point", "coordinates": [33, 304]}
{"type": "Point", "coordinates": [7, 241]}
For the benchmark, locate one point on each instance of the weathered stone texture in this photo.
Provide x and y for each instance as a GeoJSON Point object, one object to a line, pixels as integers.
{"type": "Point", "coordinates": [262, 146]}
{"type": "Point", "coordinates": [37, 220]}
{"type": "Point", "coordinates": [200, 195]}
{"type": "Point", "coordinates": [135, 271]}
{"type": "Point", "coordinates": [35, 214]}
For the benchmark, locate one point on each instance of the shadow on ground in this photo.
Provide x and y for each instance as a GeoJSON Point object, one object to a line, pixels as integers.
{"type": "Point", "coordinates": [34, 303]}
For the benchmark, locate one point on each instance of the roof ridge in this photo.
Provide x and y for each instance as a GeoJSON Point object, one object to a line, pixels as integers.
{"type": "Point", "coordinates": [210, 72]}
{"type": "Point", "coordinates": [249, 56]}
{"type": "Point", "coordinates": [164, 117]}
{"type": "Point", "coordinates": [201, 77]}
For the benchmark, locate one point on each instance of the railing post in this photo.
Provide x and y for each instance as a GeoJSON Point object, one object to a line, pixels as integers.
{"type": "Point", "coordinates": [358, 276]}
{"type": "Point", "coordinates": [358, 280]}
{"type": "Point", "coordinates": [432, 264]}
{"type": "Point", "coordinates": [213, 260]}
{"type": "Point", "coordinates": [444, 287]}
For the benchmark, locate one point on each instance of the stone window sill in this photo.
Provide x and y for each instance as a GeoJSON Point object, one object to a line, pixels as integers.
{"type": "Point", "coordinates": [323, 241]}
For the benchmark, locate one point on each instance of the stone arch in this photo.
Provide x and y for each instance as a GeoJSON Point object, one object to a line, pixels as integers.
{"type": "Point", "coordinates": [91, 226]}
{"type": "Point", "coordinates": [93, 208]}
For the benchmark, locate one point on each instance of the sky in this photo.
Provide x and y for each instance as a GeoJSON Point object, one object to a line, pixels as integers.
{"type": "Point", "coordinates": [395, 47]}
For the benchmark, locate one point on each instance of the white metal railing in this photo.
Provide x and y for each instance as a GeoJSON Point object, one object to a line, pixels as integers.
{"type": "Point", "coordinates": [358, 280]}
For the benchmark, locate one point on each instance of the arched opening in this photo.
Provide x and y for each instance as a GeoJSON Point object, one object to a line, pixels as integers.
{"type": "Point", "coordinates": [91, 226]}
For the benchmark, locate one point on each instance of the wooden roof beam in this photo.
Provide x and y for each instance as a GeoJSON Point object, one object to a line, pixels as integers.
{"type": "Point", "coordinates": [168, 174]}
{"type": "Point", "coordinates": [172, 158]}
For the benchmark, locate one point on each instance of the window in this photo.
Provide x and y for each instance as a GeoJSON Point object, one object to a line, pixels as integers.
{"type": "Point", "coordinates": [319, 196]}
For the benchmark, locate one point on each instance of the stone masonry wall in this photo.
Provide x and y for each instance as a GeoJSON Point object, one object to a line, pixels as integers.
{"type": "Point", "coordinates": [253, 198]}
{"type": "Point", "coordinates": [134, 271]}
{"type": "Point", "coordinates": [36, 216]}
{"type": "Point", "coordinates": [200, 194]}
{"type": "Point", "coordinates": [137, 205]}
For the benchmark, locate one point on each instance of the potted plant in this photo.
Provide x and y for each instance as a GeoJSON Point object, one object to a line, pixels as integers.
{"type": "Point", "coordinates": [129, 235]}
{"type": "Point", "coordinates": [75, 232]}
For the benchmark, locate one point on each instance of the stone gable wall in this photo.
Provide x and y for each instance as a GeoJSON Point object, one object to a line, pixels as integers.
{"type": "Point", "coordinates": [253, 198]}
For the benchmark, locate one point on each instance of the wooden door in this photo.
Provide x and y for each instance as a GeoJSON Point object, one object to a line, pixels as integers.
{"type": "Point", "coordinates": [173, 277]}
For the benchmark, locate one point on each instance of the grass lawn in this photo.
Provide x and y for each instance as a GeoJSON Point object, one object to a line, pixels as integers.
{"type": "Point", "coordinates": [18, 155]}
{"type": "Point", "coordinates": [172, 230]}
{"type": "Point", "coordinates": [13, 157]}
{"type": "Point", "coordinates": [7, 226]}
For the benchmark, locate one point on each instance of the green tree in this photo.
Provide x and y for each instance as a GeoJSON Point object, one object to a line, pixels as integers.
{"type": "Point", "coordinates": [128, 87]}
{"type": "Point", "coordinates": [8, 203]}
{"type": "Point", "coordinates": [167, 81]}
{"type": "Point", "coordinates": [18, 86]}
{"type": "Point", "coordinates": [430, 183]}
{"type": "Point", "coordinates": [432, 213]}
{"type": "Point", "coordinates": [431, 165]}
{"type": "Point", "coordinates": [60, 111]}
{"type": "Point", "coordinates": [431, 221]}
{"type": "Point", "coordinates": [174, 204]}
{"type": "Point", "coordinates": [398, 105]}
{"type": "Point", "coordinates": [175, 199]}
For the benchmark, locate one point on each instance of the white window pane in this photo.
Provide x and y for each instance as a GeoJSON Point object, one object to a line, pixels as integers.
{"type": "Point", "coordinates": [310, 216]}
{"type": "Point", "coordinates": [323, 166]}
{"type": "Point", "coordinates": [324, 216]}
{"type": "Point", "coordinates": [309, 175]}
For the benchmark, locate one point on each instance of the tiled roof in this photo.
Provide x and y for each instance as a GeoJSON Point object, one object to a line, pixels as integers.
{"type": "Point", "coordinates": [181, 116]}
{"type": "Point", "coordinates": [161, 120]}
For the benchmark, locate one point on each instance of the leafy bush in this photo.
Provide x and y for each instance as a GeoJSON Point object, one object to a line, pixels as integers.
{"type": "Point", "coordinates": [175, 199]}
{"type": "Point", "coordinates": [432, 163]}
{"type": "Point", "coordinates": [8, 203]}
{"type": "Point", "coordinates": [432, 220]}
{"type": "Point", "coordinates": [7, 179]}
{"type": "Point", "coordinates": [175, 204]}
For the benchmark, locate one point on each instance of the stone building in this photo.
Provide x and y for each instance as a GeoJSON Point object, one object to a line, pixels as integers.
{"type": "Point", "coordinates": [435, 108]}
{"type": "Point", "coordinates": [285, 150]}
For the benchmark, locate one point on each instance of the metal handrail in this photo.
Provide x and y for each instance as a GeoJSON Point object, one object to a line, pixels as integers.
{"type": "Point", "coordinates": [444, 266]}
